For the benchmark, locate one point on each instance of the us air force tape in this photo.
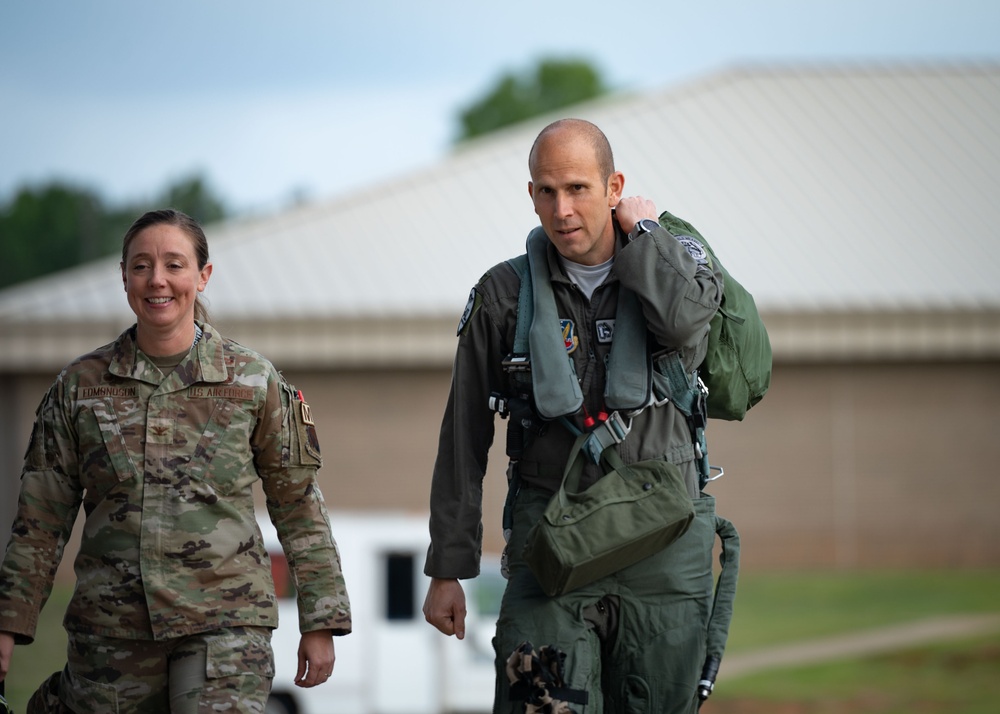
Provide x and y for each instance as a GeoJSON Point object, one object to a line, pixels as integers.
{"type": "Point", "coordinates": [694, 248]}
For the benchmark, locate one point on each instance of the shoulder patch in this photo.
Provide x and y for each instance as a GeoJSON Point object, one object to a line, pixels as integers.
{"type": "Point", "coordinates": [305, 442]}
{"type": "Point", "coordinates": [694, 248]}
{"type": "Point", "coordinates": [470, 308]}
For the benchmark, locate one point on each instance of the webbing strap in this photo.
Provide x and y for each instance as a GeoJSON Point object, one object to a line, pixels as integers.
{"type": "Point", "coordinates": [525, 298]}
{"type": "Point", "coordinates": [682, 385]}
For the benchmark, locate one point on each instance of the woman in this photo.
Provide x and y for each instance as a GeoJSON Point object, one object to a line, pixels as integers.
{"type": "Point", "coordinates": [161, 435]}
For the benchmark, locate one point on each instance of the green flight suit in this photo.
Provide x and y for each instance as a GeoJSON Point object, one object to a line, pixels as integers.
{"type": "Point", "coordinates": [662, 602]}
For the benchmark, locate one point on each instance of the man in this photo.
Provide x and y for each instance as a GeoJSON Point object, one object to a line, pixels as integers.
{"type": "Point", "coordinates": [633, 640]}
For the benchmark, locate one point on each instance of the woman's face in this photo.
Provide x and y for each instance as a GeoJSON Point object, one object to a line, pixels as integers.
{"type": "Point", "coordinates": [162, 278]}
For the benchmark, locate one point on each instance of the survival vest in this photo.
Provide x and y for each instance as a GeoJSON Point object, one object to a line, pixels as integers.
{"type": "Point", "coordinates": [541, 367]}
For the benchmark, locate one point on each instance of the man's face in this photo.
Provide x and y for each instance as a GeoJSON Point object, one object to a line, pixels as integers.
{"type": "Point", "coordinates": [572, 199]}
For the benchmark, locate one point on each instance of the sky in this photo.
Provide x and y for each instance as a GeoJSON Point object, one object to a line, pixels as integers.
{"type": "Point", "coordinates": [274, 102]}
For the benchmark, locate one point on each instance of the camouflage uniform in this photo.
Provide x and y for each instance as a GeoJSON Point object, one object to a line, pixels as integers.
{"type": "Point", "coordinates": [622, 634]}
{"type": "Point", "coordinates": [164, 469]}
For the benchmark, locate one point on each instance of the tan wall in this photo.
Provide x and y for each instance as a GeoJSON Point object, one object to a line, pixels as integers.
{"type": "Point", "coordinates": [840, 465]}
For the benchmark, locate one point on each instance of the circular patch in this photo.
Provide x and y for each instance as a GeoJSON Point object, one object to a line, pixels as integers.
{"type": "Point", "coordinates": [694, 248]}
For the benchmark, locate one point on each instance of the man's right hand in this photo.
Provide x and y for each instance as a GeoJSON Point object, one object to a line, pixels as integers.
{"type": "Point", "coordinates": [444, 606]}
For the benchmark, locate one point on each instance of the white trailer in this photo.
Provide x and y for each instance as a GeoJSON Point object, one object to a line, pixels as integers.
{"type": "Point", "coordinates": [393, 662]}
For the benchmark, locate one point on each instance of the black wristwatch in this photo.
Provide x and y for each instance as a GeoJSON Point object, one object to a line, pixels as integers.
{"type": "Point", "coordinates": [646, 225]}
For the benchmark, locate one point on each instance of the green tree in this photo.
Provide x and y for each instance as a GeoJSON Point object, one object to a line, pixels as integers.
{"type": "Point", "coordinates": [56, 226]}
{"type": "Point", "coordinates": [552, 84]}
{"type": "Point", "coordinates": [49, 228]}
{"type": "Point", "coordinates": [193, 196]}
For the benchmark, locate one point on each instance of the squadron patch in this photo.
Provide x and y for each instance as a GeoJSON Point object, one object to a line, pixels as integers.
{"type": "Point", "coordinates": [605, 331]}
{"type": "Point", "coordinates": [694, 248]}
{"type": "Point", "coordinates": [468, 311]}
{"type": "Point", "coordinates": [570, 340]}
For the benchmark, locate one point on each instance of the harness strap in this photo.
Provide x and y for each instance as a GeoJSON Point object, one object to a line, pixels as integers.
{"type": "Point", "coordinates": [533, 469]}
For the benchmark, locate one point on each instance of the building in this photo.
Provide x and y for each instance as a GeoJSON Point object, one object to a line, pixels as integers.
{"type": "Point", "coordinates": [858, 204]}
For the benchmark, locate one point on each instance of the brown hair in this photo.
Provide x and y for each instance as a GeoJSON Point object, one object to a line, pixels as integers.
{"type": "Point", "coordinates": [190, 227]}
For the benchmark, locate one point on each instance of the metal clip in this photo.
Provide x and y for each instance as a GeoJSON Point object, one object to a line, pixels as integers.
{"type": "Point", "coordinates": [612, 430]}
{"type": "Point", "coordinates": [516, 363]}
{"type": "Point", "coordinates": [617, 426]}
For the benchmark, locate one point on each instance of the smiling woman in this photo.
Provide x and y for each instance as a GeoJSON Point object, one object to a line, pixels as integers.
{"type": "Point", "coordinates": [160, 436]}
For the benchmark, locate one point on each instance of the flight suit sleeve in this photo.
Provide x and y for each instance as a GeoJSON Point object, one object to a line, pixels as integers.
{"type": "Point", "coordinates": [48, 504]}
{"type": "Point", "coordinates": [678, 286]}
{"type": "Point", "coordinates": [467, 430]}
{"type": "Point", "coordinates": [288, 458]}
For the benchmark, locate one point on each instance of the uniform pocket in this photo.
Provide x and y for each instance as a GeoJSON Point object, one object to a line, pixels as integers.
{"type": "Point", "coordinates": [107, 464]}
{"type": "Point", "coordinates": [83, 696]}
{"type": "Point", "coordinates": [240, 652]}
{"type": "Point", "coordinates": [219, 457]}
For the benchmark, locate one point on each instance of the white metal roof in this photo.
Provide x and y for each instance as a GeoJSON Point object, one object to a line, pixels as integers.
{"type": "Point", "coordinates": [824, 189]}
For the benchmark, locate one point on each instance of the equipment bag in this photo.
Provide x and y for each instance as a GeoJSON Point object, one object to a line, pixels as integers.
{"type": "Point", "coordinates": [628, 514]}
{"type": "Point", "coordinates": [737, 367]}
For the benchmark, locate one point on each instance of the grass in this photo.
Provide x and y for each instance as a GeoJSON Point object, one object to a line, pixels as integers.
{"type": "Point", "coordinates": [953, 676]}
{"type": "Point", "coordinates": [958, 676]}
{"type": "Point", "coordinates": [778, 608]}
{"type": "Point", "coordinates": [774, 609]}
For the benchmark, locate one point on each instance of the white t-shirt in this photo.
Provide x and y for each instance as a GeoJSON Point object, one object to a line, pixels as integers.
{"type": "Point", "coordinates": [587, 277]}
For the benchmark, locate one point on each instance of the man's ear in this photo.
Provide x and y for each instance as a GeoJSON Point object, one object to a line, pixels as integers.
{"type": "Point", "coordinates": [616, 184]}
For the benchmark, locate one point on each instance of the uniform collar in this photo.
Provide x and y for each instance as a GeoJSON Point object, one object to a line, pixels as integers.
{"type": "Point", "coordinates": [204, 363]}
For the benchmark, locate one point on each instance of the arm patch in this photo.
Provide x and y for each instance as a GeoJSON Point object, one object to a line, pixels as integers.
{"type": "Point", "coordinates": [470, 309]}
{"type": "Point", "coordinates": [304, 446]}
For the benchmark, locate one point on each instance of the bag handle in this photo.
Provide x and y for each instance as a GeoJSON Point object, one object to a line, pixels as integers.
{"type": "Point", "coordinates": [574, 466]}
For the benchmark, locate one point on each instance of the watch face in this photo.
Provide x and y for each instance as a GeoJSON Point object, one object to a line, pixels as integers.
{"type": "Point", "coordinates": [647, 225]}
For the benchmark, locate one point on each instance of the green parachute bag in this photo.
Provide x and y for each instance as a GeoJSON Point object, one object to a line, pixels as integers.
{"type": "Point", "coordinates": [737, 367]}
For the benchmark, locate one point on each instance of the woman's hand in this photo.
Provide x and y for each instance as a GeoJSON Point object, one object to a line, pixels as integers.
{"type": "Point", "coordinates": [316, 658]}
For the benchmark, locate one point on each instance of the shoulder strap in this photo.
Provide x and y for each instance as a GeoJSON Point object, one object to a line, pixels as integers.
{"type": "Point", "coordinates": [525, 307]}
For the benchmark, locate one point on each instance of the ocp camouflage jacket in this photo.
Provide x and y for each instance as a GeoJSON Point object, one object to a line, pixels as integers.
{"type": "Point", "coordinates": [164, 468]}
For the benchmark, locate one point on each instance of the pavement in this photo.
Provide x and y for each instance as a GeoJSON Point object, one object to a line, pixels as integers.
{"type": "Point", "coordinates": [868, 642]}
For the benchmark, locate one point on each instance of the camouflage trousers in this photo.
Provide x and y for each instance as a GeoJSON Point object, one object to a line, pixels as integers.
{"type": "Point", "coordinates": [228, 669]}
{"type": "Point", "coordinates": [633, 641]}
